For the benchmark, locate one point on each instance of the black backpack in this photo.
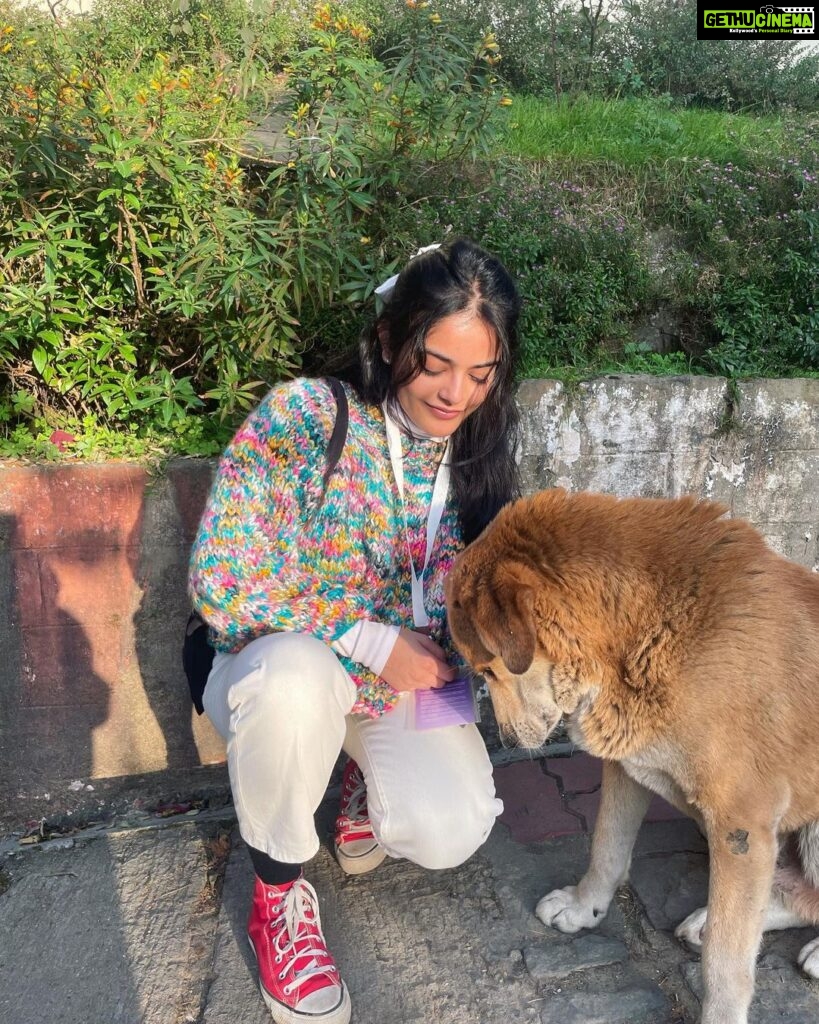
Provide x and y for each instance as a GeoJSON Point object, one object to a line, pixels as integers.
{"type": "Point", "coordinates": [197, 653]}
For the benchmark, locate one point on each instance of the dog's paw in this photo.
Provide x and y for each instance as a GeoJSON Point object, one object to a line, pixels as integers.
{"type": "Point", "coordinates": [564, 910]}
{"type": "Point", "coordinates": [691, 929]}
{"type": "Point", "coordinates": [808, 958]}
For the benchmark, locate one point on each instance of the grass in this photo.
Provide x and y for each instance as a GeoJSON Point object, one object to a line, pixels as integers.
{"type": "Point", "coordinates": [639, 134]}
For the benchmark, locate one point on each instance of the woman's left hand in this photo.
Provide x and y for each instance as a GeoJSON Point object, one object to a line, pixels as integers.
{"type": "Point", "coordinates": [417, 662]}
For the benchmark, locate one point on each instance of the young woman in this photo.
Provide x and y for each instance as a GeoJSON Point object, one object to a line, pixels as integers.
{"type": "Point", "coordinates": [327, 608]}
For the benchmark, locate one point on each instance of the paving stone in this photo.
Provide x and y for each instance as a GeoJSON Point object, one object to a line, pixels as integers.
{"type": "Point", "coordinates": [637, 1004]}
{"type": "Point", "coordinates": [692, 972]}
{"type": "Point", "coordinates": [121, 929]}
{"type": "Point", "coordinates": [574, 955]}
{"type": "Point", "coordinates": [413, 946]}
{"type": "Point", "coordinates": [783, 995]}
{"type": "Point", "coordinates": [106, 931]}
{"type": "Point", "coordinates": [532, 806]}
{"type": "Point", "coordinates": [680, 835]}
{"type": "Point", "coordinates": [670, 887]}
{"type": "Point", "coordinates": [588, 805]}
{"type": "Point", "coordinates": [579, 773]}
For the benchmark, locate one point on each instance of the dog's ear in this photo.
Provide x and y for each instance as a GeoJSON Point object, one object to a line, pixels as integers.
{"type": "Point", "coordinates": [505, 620]}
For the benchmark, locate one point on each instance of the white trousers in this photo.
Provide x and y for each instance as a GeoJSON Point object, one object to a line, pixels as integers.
{"type": "Point", "coordinates": [283, 706]}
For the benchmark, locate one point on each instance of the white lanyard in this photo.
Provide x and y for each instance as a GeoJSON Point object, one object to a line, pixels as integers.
{"type": "Point", "coordinates": [436, 511]}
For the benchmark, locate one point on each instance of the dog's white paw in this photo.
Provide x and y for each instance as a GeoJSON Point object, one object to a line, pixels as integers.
{"type": "Point", "coordinates": [808, 958]}
{"type": "Point", "coordinates": [564, 910]}
{"type": "Point", "coordinates": [691, 929]}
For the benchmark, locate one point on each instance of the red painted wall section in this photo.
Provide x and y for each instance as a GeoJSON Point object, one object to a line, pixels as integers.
{"type": "Point", "coordinates": [93, 563]}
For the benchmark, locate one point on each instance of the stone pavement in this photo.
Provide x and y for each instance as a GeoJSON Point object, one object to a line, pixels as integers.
{"type": "Point", "coordinates": [141, 921]}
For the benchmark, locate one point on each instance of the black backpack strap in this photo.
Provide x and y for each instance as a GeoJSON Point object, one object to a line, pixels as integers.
{"type": "Point", "coordinates": [197, 658]}
{"type": "Point", "coordinates": [339, 436]}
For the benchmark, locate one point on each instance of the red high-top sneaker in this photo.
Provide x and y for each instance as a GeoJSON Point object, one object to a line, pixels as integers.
{"type": "Point", "coordinates": [297, 976]}
{"type": "Point", "coordinates": [357, 849]}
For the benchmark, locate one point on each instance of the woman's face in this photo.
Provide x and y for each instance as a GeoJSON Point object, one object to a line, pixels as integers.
{"type": "Point", "coordinates": [461, 356]}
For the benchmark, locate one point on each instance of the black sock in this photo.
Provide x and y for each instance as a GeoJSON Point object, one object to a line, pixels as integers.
{"type": "Point", "coordinates": [273, 872]}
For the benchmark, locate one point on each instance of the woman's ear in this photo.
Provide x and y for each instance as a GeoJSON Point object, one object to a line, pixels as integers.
{"type": "Point", "coordinates": [384, 338]}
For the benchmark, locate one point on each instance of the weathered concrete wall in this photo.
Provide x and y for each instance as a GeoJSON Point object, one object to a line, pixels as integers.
{"type": "Point", "coordinates": [753, 446]}
{"type": "Point", "coordinates": [93, 558]}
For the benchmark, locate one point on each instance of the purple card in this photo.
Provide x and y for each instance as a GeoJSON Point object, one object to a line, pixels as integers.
{"type": "Point", "coordinates": [453, 704]}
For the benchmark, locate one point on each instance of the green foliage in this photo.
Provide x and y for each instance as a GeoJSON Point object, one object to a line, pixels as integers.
{"type": "Point", "coordinates": [38, 440]}
{"type": "Point", "coordinates": [577, 259]}
{"type": "Point", "coordinates": [154, 278]}
{"type": "Point", "coordinates": [736, 197]}
{"type": "Point", "coordinates": [579, 265]}
{"type": "Point", "coordinates": [657, 39]}
{"type": "Point", "coordinates": [548, 47]}
{"type": "Point", "coordinates": [754, 232]}
{"type": "Point", "coordinates": [603, 234]}
{"type": "Point", "coordinates": [624, 48]}
{"type": "Point", "coordinates": [637, 135]}
{"type": "Point", "coordinates": [145, 271]}
{"type": "Point", "coordinates": [193, 28]}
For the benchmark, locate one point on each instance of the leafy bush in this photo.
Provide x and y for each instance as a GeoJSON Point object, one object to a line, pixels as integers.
{"type": "Point", "coordinates": [548, 47]}
{"type": "Point", "coordinates": [622, 48]}
{"type": "Point", "coordinates": [721, 215]}
{"type": "Point", "coordinates": [757, 234]}
{"type": "Point", "coordinates": [657, 40]}
{"type": "Point", "coordinates": [577, 257]}
{"type": "Point", "coordinates": [153, 279]}
{"type": "Point", "coordinates": [145, 270]}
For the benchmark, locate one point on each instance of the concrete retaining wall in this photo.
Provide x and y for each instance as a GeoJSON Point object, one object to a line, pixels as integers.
{"type": "Point", "coordinates": [93, 558]}
{"type": "Point", "coordinates": [753, 446]}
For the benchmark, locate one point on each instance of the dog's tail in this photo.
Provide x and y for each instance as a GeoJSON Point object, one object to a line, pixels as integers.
{"type": "Point", "coordinates": [799, 885]}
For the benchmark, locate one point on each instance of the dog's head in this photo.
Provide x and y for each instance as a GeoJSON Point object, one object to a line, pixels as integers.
{"type": "Point", "coordinates": [505, 620]}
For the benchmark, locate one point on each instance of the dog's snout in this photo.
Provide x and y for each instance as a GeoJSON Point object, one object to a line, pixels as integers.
{"type": "Point", "coordinates": [508, 737]}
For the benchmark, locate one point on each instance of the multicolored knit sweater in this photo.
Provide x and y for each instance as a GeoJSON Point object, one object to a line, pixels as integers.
{"type": "Point", "coordinates": [271, 555]}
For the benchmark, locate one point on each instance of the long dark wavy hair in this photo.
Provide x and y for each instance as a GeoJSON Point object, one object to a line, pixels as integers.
{"type": "Point", "coordinates": [459, 276]}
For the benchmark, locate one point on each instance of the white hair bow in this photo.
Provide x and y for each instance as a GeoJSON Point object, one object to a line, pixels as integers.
{"type": "Point", "coordinates": [383, 290]}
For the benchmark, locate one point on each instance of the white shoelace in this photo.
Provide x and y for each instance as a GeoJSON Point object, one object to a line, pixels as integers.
{"type": "Point", "coordinates": [299, 907]}
{"type": "Point", "coordinates": [355, 812]}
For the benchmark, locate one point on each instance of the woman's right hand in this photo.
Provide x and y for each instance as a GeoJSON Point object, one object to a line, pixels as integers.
{"type": "Point", "coordinates": [416, 663]}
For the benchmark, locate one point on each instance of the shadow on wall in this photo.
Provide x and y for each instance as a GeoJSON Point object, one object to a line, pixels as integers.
{"type": "Point", "coordinates": [93, 570]}
{"type": "Point", "coordinates": [159, 620]}
{"type": "Point", "coordinates": [53, 696]}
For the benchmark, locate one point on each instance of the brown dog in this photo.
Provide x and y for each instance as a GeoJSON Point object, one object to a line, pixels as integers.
{"type": "Point", "coordinates": [685, 653]}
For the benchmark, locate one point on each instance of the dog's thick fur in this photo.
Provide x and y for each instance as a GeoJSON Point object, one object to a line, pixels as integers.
{"type": "Point", "coordinates": [685, 653]}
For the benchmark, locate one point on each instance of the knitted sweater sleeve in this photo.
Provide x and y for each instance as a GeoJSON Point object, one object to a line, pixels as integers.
{"type": "Point", "coordinates": [245, 578]}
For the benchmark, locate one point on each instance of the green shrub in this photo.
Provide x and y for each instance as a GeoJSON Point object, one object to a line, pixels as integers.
{"type": "Point", "coordinates": [735, 200]}
{"type": "Point", "coordinates": [554, 49]}
{"type": "Point", "coordinates": [146, 272]}
{"type": "Point", "coordinates": [577, 257]}
{"type": "Point", "coordinates": [754, 234]}
{"type": "Point", "coordinates": [657, 40]}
